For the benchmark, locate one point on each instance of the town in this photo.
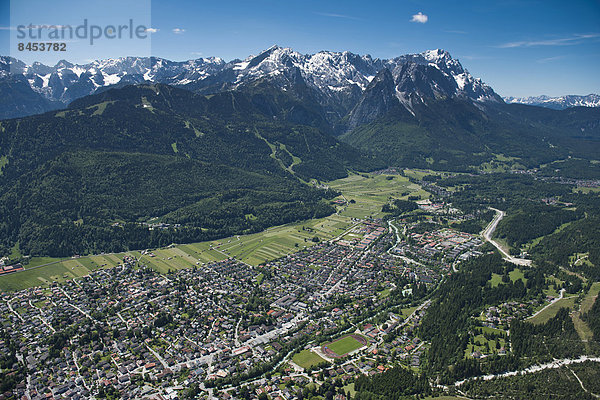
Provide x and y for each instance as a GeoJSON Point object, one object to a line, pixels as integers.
{"type": "Point", "coordinates": [334, 310]}
{"type": "Point", "coordinates": [226, 329]}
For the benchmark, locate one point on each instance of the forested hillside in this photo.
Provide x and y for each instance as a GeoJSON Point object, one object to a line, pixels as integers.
{"type": "Point", "coordinates": [84, 179]}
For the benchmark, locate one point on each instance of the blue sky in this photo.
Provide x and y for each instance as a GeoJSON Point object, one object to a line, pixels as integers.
{"type": "Point", "coordinates": [520, 48]}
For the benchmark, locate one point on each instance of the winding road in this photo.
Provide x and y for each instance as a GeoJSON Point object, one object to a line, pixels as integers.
{"type": "Point", "coordinates": [488, 232]}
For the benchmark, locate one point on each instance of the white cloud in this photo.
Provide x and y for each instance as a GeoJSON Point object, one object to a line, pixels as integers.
{"type": "Point", "coordinates": [550, 59]}
{"type": "Point", "coordinates": [178, 31]}
{"type": "Point", "coordinates": [419, 17]}
{"type": "Point", "coordinates": [152, 30]}
{"type": "Point", "coordinates": [333, 15]}
{"type": "Point", "coordinates": [564, 41]}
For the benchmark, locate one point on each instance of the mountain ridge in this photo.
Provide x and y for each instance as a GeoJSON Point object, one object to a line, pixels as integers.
{"type": "Point", "coordinates": [557, 102]}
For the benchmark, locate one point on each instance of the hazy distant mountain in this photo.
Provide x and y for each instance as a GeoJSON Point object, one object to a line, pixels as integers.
{"type": "Point", "coordinates": [558, 103]}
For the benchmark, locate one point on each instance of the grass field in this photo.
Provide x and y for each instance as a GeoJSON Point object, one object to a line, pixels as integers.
{"type": "Point", "coordinates": [344, 345]}
{"type": "Point", "coordinates": [583, 330]}
{"type": "Point", "coordinates": [485, 346]}
{"type": "Point", "coordinates": [590, 297]}
{"type": "Point", "coordinates": [56, 271]}
{"type": "Point", "coordinates": [568, 302]}
{"type": "Point", "coordinates": [586, 190]}
{"type": "Point", "coordinates": [371, 192]}
{"type": "Point", "coordinates": [551, 291]}
{"type": "Point", "coordinates": [407, 311]}
{"type": "Point", "coordinates": [349, 388]}
{"type": "Point", "coordinates": [307, 358]}
{"type": "Point", "coordinates": [253, 249]}
{"type": "Point", "coordinates": [514, 275]}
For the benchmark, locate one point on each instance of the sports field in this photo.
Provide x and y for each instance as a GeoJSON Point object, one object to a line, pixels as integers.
{"type": "Point", "coordinates": [345, 345]}
{"type": "Point", "coordinates": [307, 358]}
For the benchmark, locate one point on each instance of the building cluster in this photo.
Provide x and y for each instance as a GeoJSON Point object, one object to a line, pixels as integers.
{"type": "Point", "coordinates": [440, 247]}
{"type": "Point", "coordinates": [135, 333]}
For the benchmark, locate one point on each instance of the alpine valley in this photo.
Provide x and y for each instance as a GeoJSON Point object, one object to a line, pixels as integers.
{"type": "Point", "coordinates": [294, 226]}
{"type": "Point", "coordinates": [158, 134]}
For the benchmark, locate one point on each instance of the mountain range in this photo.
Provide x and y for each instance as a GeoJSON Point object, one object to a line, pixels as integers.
{"type": "Point", "coordinates": [335, 80]}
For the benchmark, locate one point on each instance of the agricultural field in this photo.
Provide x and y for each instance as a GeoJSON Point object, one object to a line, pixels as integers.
{"type": "Point", "coordinates": [41, 272]}
{"type": "Point", "coordinates": [307, 358]}
{"type": "Point", "coordinates": [253, 249]}
{"type": "Point", "coordinates": [344, 345]}
{"type": "Point", "coordinates": [279, 241]}
{"type": "Point", "coordinates": [370, 192]}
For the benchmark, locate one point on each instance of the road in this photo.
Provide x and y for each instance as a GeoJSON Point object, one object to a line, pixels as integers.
{"type": "Point", "coordinates": [158, 357]}
{"type": "Point", "coordinates": [398, 240]}
{"type": "Point", "coordinates": [562, 294]}
{"type": "Point", "coordinates": [237, 333]}
{"type": "Point", "coordinates": [13, 311]}
{"type": "Point", "coordinates": [411, 316]}
{"type": "Point", "coordinates": [581, 383]}
{"type": "Point", "coordinates": [488, 232]}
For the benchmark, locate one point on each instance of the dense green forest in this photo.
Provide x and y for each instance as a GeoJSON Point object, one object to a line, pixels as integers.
{"type": "Point", "coordinates": [573, 168]}
{"type": "Point", "coordinates": [393, 384]}
{"type": "Point", "coordinates": [83, 179]}
{"type": "Point", "coordinates": [592, 318]}
{"type": "Point", "coordinates": [532, 221]}
{"type": "Point", "coordinates": [399, 207]}
{"type": "Point", "coordinates": [477, 224]}
{"type": "Point", "coordinates": [555, 339]}
{"type": "Point", "coordinates": [454, 135]}
{"type": "Point", "coordinates": [507, 192]}
{"type": "Point", "coordinates": [461, 296]}
{"type": "Point", "coordinates": [95, 201]}
{"type": "Point", "coordinates": [543, 385]}
{"type": "Point", "coordinates": [570, 227]}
